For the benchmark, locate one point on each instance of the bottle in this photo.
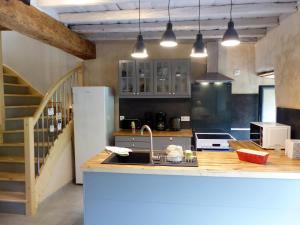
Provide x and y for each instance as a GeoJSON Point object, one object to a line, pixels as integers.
{"type": "Point", "coordinates": [133, 127]}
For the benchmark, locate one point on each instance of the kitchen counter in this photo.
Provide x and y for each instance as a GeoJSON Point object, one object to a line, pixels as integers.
{"type": "Point", "coordinates": [222, 190]}
{"type": "Point", "coordinates": [181, 133]}
{"type": "Point", "coordinates": [222, 164]}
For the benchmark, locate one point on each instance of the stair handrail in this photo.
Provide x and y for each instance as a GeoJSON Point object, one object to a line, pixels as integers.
{"type": "Point", "coordinates": [50, 106]}
{"type": "Point", "coordinates": [54, 88]}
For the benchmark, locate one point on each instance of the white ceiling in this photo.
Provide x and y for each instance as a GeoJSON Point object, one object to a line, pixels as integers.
{"type": "Point", "coordinates": [117, 19]}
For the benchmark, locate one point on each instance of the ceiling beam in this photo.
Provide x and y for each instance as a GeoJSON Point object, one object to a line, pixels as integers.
{"type": "Point", "coordinates": [3, 28]}
{"type": "Point", "coordinates": [211, 34]}
{"type": "Point", "coordinates": [183, 13]}
{"type": "Point", "coordinates": [219, 24]}
{"type": "Point", "coordinates": [154, 4]}
{"type": "Point", "coordinates": [28, 20]}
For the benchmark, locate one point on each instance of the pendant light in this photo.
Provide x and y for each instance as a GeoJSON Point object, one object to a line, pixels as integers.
{"type": "Point", "coordinates": [199, 50]}
{"type": "Point", "coordinates": [231, 37]}
{"type": "Point", "coordinates": [168, 39]}
{"type": "Point", "coordinates": [139, 50]}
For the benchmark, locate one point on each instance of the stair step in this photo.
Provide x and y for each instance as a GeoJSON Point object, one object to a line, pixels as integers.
{"type": "Point", "coordinates": [12, 159]}
{"type": "Point", "coordinates": [18, 99]}
{"type": "Point", "coordinates": [7, 176]}
{"type": "Point", "coordinates": [14, 136]}
{"type": "Point", "coordinates": [10, 79]}
{"type": "Point", "coordinates": [18, 197]}
{"type": "Point", "coordinates": [20, 111]}
{"type": "Point", "coordinates": [15, 89]}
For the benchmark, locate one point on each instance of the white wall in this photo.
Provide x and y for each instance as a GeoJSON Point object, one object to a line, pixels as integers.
{"type": "Point", "coordinates": [40, 64]}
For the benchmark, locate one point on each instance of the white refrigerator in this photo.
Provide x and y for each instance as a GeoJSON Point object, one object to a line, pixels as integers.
{"type": "Point", "coordinates": [93, 109]}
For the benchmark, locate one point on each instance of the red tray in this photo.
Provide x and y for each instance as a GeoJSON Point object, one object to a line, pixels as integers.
{"type": "Point", "coordinates": [248, 155]}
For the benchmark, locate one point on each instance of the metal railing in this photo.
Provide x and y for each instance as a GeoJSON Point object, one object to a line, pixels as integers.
{"type": "Point", "coordinates": [52, 116]}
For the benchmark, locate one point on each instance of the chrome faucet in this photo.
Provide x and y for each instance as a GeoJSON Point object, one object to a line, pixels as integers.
{"type": "Point", "coordinates": [151, 140]}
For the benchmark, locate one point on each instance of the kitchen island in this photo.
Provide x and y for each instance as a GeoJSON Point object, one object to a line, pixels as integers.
{"type": "Point", "coordinates": [221, 191]}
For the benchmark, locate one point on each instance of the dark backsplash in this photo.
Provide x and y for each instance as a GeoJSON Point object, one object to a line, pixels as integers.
{"type": "Point", "coordinates": [136, 108]}
{"type": "Point", "coordinates": [244, 110]}
{"type": "Point", "coordinates": [290, 117]}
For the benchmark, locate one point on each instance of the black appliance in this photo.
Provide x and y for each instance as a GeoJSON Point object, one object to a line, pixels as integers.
{"type": "Point", "coordinates": [161, 121]}
{"type": "Point", "coordinates": [149, 119]}
{"type": "Point", "coordinates": [175, 123]}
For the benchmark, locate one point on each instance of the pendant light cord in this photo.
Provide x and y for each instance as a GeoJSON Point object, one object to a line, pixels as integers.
{"type": "Point", "coordinates": [140, 17]}
{"type": "Point", "coordinates": [199, 16]}
{"type": "Point", "coordinates": [230, 10]}
{"type": "Point", "coordinates": [169, 11]}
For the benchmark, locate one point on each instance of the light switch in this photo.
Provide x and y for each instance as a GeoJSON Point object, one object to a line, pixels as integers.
{"type": "Point", "coordinates": [185, 119]}
{"type": "Point", "coordinates": [122, 118]}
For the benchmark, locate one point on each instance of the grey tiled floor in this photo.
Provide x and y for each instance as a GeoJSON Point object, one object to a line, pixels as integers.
{"type": "Point", "coordinates": [62, 208]}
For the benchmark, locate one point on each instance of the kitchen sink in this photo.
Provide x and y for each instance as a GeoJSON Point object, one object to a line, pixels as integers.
{"type": "Point", "coordinates": [143, 158]}
{"type": "Point", "coordinates": [134, 158]}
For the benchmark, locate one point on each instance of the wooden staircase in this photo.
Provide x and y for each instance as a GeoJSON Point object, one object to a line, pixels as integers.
{"type": "Point", "coordinates": [20, 100]}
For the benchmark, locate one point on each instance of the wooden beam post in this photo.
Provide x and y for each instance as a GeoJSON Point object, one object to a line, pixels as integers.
{"type": "Point", "coordinates": [2, 110]}
{"type": "Point", "coordinates": [31, 204]}
{"type": "Point", "coordinates": [28, 20]}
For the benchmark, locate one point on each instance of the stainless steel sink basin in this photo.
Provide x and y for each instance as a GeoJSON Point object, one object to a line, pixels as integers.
{"type": "Point", "coordinates": [143, 158]}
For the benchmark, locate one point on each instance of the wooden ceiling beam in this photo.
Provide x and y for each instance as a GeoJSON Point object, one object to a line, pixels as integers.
{"type": "Point", "coordinates": [219, 24]}
{"type": "Point", "coordinates": [179, 14]}
{"type": "Point", "coordinates": [3, 28]}
{"type": "Point", "coordinates": [184, 35]}
{"type": "Point", "coordinates": [31, 22]}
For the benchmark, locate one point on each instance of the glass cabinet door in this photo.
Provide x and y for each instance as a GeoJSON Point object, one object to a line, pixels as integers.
{"type": "Point", "coordinates": [127, 78]}
{"type": "Point", "coordinates": [180, 77]}
{"type": "Point", "coordinates": [162, 76]}
{"type": "Point", "coordinates": [144, 77]}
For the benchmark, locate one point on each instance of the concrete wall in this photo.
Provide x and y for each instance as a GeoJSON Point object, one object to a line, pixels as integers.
{"type": "Point", "coordinates": [40, 64]}
{"type": "Point", "coordinates": [241, 59]}
{"type": "Point", "coordinates": [280, 49]}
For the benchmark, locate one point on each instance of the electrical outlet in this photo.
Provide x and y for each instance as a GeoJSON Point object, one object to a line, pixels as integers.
{"type": "Point", "coordinates": [122, 118]}
{"type": "Point", "coordinates": [185, 119]}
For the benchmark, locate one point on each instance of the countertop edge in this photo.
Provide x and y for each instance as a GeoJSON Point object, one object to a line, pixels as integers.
{"type": "Point", "coordinates": [198, 173]}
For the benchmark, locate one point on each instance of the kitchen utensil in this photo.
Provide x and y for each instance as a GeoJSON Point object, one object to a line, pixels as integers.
{"type": "Point", "coordinates": [175, 123]}
{"type": "Point", "coordinates": [161, 121]}
{"type": "Point", "coordinates": [253, 156]}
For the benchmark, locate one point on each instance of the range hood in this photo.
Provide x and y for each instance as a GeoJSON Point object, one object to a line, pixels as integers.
{"type": "Point", "coordinates": [213, 74]}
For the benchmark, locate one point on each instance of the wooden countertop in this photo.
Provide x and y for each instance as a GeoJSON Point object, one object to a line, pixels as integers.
{"type": "Point", "coordinates": [217, 164]}
{"type": "Point", "coordinates": [181, 133]}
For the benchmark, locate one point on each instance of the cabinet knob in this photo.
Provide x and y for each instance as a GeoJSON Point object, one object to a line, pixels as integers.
{"type": "Point", "coordinates": [173, 93]}
{"type": "Point", "coordinates": [133, 93]}
{"type": "Point", "coordinates": [170, 93]}
{"type": "Point", "coordinates": [132, 145]}
{"type": "Point", "coordinates": [171, 139]}
{"type": "Point", "coordinates": [133, 139]}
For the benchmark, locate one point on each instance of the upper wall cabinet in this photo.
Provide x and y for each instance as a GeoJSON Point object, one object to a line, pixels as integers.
{"type": "Point", "coordinates": [154, 79]}
{"type": "Point", "coordinates": [127, 78]}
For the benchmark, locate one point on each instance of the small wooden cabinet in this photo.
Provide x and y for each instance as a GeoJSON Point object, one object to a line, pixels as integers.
{"type": "Point", "coordinates": [166, 78]}
{"type": "Point", "coordinates": [143, 143]}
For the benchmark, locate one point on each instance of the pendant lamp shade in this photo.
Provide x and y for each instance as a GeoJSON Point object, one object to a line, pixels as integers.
{"type": "Point", "coordinates": [169, 38]}
{"type": "Point", "coordinates": [231, 37]}
{"type": "Point", "coordinates": [139, 50]}
{"type": "Point", "coordinates": [199, 50]}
